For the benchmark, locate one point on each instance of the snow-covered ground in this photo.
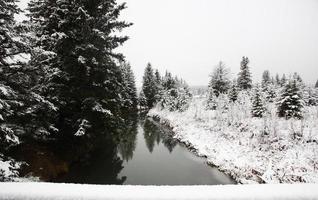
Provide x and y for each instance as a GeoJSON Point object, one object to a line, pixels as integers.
{"type": "Point", "coordinates": [270, 149]}
{"type": "Point", "coordinates": [45, 191]}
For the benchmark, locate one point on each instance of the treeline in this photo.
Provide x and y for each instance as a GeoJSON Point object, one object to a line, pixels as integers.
{"type": "Point", "coordinates": [59, 74]}
{"type": "Point", "coordinates": [167, 91]}
{"type": "Point", "coordinates": [289, 94]}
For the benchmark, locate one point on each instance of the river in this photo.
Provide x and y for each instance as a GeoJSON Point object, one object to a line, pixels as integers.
{"type": "Point", "coordinates": [148, 155]}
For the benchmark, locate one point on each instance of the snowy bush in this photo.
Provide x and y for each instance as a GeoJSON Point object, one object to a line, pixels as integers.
{"type": "Point", "coordinates": [176, 99]}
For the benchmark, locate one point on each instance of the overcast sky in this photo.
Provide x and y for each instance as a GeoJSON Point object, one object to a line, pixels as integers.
{"type": "Point", "coordinates": [189, 37]}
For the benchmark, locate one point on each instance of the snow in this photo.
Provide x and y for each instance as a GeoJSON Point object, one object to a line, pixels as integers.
{"type": "Point", "coordinates": [251, 150]}
{"type": "Point", "coordinates": [46, 191]}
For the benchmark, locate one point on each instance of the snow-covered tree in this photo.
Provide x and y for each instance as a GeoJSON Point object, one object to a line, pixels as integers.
{"type": "Point", "coordinates": [310, 96]}
{"type": "Point", "coordinates": [149, 86]}
{"type": "Point", "coordinates": [290, 103]}
{"type": "Point", "coordinates": [176, 99]}
{"type": "Point", "coordinates": [283, 80]}
{"type": "Point", "coordinates": [266, 80]}
{"type": "Point", "coordinates": [219, 81]}
{"type": "Point", "coordinates": [277, 80]}
{"type": "Point", "coordinates": [244, 80]}
{"type": "Point", "coordinates": [211, 103]}
{"type": "Point", "coordinates": [142, 101]}
{"type": "Point", "coordinates": [233, 92]}
{"type": "Point", "coordinates": [258, 108]}
{"type": "Point", "coordinates": [168, 81]}
{"type": "Point", "coordinates": [76, 42]}
{"type": "Point", "coordinates": [129, 90]}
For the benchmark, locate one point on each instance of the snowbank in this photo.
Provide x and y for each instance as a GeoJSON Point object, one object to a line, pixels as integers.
{"type": "Point", "coordinates": [251, 150]}
{"type": "Point", "coordinates": [45, 191]}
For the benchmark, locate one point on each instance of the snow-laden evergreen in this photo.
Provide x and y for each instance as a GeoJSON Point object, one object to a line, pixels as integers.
{"type": "Point", "coordinates": [258, 108]}
{"type": "Point", "coordinates": [290, 103]}
{"type": "Point", "coordinates": [220, 81]}
{"type": "Point", "coordinates": [244, 79]}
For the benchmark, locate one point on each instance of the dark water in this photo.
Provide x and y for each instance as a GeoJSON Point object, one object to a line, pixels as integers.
{"type": "Point", "coordinates": [146, 154]}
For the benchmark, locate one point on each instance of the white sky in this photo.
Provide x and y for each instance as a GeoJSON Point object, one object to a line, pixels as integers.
{"type": "Point", "coordinates": [189, 37]}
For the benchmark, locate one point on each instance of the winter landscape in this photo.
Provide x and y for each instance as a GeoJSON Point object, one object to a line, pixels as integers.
{"type": "Point", "coordinates": [156, 98]}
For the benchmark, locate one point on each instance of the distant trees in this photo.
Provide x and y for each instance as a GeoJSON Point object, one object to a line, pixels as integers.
{"type": "Point", "coordinates": [219, 81]}
{"type": "Point", "coordinates": [244, 80]}
{"type": "Point", "coordinates": [129, 90]}
{"type": "Point", "coordinates": [316, 85]}
{"type": "Point", "coordinates": [290, 102]}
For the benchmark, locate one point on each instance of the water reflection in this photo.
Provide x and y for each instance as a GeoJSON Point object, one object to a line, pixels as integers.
{"type": "Point", "coordinates": [142, 153]}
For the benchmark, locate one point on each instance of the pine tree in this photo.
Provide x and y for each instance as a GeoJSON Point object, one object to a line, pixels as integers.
{"type": "Point", "coordinates": [142, 101]}
{"type": "Point", "coordinates": [283, 80]}
{"type": "Point", "coordinates": [233, 92]}
{"type": "Point", "coordinates": [81, 79]}
{"type": "Point", "coordinates": [277, 80]}
{"type": "Point", "coordinates": [159, 86]}
{"type": "Point", "coordinates": [129, 91]}
{"type": "Point", "coordinates": [220, 82]}
{"type": "Point", "coordinates": [258, 108]}
{"type": "Point", "coordinates": [290, 103]}
{"type": "Point", "coordinates": [168, 81]}
{"type": "Point", "coordinates": [266, 80]}
{"type": "Point", "coordinates": [244, 80]}
{"type": "Point", "coordinates": [149, 86]}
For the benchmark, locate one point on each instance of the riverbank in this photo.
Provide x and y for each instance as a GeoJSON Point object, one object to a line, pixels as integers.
{"type": "Point", "coordinates": [251, 150]}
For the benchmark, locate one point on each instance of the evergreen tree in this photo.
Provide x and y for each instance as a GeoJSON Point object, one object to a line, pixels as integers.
{"type": "Point", "coordinates": [220, 82]}
{"type": "Point", "coordinates": [258, 108]}
{"type": "Point", "coordinates": [244, 80]}
{"type": "Point", "coordinates": [277, 80]}
{"type": "Point", "coordinates": [142, 101]}
{"type": "Point", "coordinates": [168, 81]}
{"type": "Point", "coordinates": [159, 88]}
{"type": "Point", "coordinates": [290, 103]}
{"type": "Point", "coordinates": [310, 96]}
{"type": "Point", "coordinates": [149, 86]}
{"type": "Point", "coordinates": [266, 80]}
{"type": "Point", "coordinates": [233, 92]}
{"type": "Point", "coordinates": [316, 85]}
{"type": "Point", "coordinates": [129, 91]}
{"type": "Point", "coordinates": [82, 78]}
{"type": "Point", "coordinates": [283, 80]}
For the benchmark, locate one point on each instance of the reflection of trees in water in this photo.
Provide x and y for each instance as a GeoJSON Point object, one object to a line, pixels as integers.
{"type": "Point", "coordinates": [127, 144]}
{"type": "Point", "coordinates": [153, 133]}
{"type": "Point", "coordinates": [99, 166]}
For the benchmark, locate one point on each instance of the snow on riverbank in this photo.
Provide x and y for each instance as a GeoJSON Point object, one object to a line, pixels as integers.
{"type": "Point", "coordinates": [271, 150]}
{"type": "Point", "coordinates": [45, 191]}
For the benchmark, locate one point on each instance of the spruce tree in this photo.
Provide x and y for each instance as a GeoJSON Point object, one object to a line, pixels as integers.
{"type": "Point", "coordinates": [211, 103]}
{"type": "Point", "coordinates": [149, 86]}
{"type": "Point", "coordinates": [290, 103]}
{"type": "Point", "coordinates": [220, 82]}
{"type": "Point", "coordinates": [266, 80]}
{"type": "Point", "coordinates": [283, 80]}
{"type": "Point", "coordinates": [258, 108]}
{"type": "Point", "coordinates": [142, 101]}
{"type": "Point", "coordinates": [233, 92]}
{"type": "Point", "coordinates": [129, 91]}
{"type": "Point", "coordinates": [277, 79]}
{"type": "Point", "coordinates": [168, 81]}
{"type": "Point", "coordinates": [82, 78]}
{"type": "Point", "coordinates": [244, 80]}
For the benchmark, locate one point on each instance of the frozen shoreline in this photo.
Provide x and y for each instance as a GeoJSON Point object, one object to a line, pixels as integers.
{"type": "Point", "coordinates": [45, 191]}
{"type": "Point", "coordinates": [246, 155]}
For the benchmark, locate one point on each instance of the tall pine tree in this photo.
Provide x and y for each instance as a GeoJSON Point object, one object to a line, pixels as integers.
{"type": "Point", "coordinates": [149, 86]}
{"type": "Point", "coordinates": [244, 80]}
{"type": "Point", "coordinates": [258, 108]}
{"type": "Point", "coordinates": [82, 78]}
{"type": "Point", "coordinates": [220, 82]}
